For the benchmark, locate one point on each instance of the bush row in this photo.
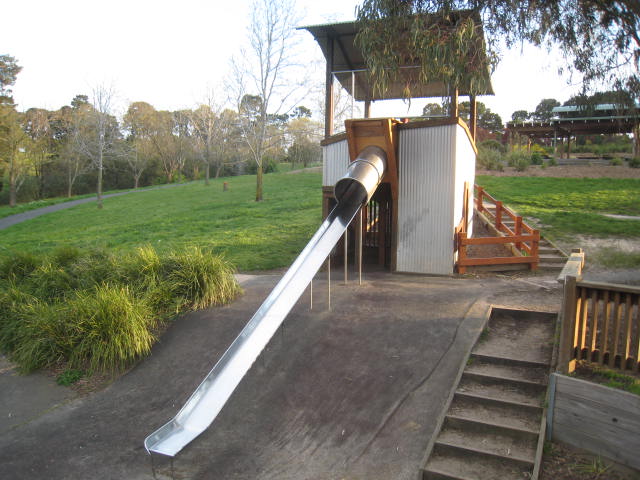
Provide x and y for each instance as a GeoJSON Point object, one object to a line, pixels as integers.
{"type": "Point", "coordinates": [100, 311]}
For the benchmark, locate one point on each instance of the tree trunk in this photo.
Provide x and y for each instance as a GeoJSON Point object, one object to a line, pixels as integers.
{"type": "Point", "coordinates": [259, 184]}
{"type": "Point", "coordinates": [206, 174]}
{"type": "Point", "coordinates": [12, 192]}
{"type": "Point", "coordinates": [136, 181]}
{"type": "Point", "coordinates": [99, 192]}
{"type": "Point", "coordinates": [218, 170]}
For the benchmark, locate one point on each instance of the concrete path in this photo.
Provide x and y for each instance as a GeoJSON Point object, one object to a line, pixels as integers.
{"type": "Point", "coordinates": [6, 222]}
{"type": "Point", "coordinates": [352, 393]}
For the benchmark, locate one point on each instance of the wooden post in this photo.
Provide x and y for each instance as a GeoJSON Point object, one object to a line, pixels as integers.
{"type": "Point", "coordinates": [453, 108]}
{"type": "Point", "coordinates": [499, 215]}
{"type": "Point", "coordinates": [462, 252]}
{"type": "Point", "coordinates": [535, 244]}
{"type": "Point", "coordinates": [367, 109]}
{"type": "Point", "coordinates": [382, 233]}
{"type": "Point", "coordinates": [328, 99]}
{"type": "Point", "coordinates": [479, 204]}
{"type": "Point", "coordinates": [566, 360]}
{"type": "Point", "coordinates": [473, 116]}
{"type": "Point", "coordinates": [359, 234]}
{"type": "Point", "coordinates": [517, 230]}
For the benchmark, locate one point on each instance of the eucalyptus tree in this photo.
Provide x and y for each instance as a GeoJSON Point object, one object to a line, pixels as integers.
{"type": "Point", "coordinates": [9, 70]}
{"type": "Point", "coordinates": [599, 38]}
{"type": "Point", "coordinates": [14, 144]}
{"type": "Point", "coordinates": [138, 123]}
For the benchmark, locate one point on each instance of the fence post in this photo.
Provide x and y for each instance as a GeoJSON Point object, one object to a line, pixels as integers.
{"type": "Point", "coordinates": [518, 231]}
{"type": "Point", "coordinates": [479, 195]}
{"type": "Point", "coordinates": [462, 251]}
{"type": "Point", "coordinates": [499, 215]}
{"type": "Point", "coordinates": [535, 244]}
{"type": "Point", "coordinates": [566, 360]}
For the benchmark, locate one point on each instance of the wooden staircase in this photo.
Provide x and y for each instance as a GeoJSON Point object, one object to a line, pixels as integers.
{"type": "Point", "coordinates": [494, 426]}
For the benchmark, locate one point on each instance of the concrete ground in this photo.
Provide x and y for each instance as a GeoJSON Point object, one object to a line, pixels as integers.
{"type": "Point", "coordinates": [350, 393]}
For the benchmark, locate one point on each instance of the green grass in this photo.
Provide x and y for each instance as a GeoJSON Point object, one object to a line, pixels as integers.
{"type": "Point", "coordinates": [252, 235]}
{"type": "Point", "coordinates": [569, 206]}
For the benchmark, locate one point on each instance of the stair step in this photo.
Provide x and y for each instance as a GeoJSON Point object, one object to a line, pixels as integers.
{"type": "Point", "coordinates": [489, 439]}
{"type": "Point", "coordinates": [460, 464]}
{"type": "Point", "coordinates": [508, 369]}
{"type": "Point", "coordinates": [550, 266]}
{"type": "Point", "coordinates": [501, 414]}
{"type": "Point", "coordinates": [502, 389]}
{"type": "Point", "coordinates": [529, 335]}
{"type": "Point", "coordinates": [552, 259]}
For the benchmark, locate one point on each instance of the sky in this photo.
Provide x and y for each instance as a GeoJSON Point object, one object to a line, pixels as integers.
{"type": "Point", "coordinates": [171, 54]}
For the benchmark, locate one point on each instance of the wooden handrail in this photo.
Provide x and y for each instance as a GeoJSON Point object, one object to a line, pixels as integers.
{"type": "Point", "coordinates": [524, 238]}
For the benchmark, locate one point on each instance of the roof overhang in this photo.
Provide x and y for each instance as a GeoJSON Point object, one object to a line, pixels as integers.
{"type": "Point", "coordinates": [348, 66]}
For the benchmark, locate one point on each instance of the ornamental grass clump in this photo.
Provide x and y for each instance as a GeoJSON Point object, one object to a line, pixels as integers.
{"type": "Point", "coordinates": [115, 328]}
{"type": "Point", "coordinates": [200, 279]}
{"type": "Point", "coordinates": [98, 311]}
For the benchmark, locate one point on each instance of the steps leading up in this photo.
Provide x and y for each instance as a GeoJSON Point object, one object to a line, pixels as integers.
{"type": "Point", "coordinates": [492, 427]}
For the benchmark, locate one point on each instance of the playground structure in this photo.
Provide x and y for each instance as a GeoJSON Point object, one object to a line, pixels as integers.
{"type": "Point", "coordinates": [410, 187]}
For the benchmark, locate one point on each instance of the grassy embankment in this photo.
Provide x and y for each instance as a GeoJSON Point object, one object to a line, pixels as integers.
{"type": "Point", "coordinates": [252, 236]}
{"type": "Point", "coordinates": [566, 207]}
{"type": "Point", "coordinates": [90, 288]}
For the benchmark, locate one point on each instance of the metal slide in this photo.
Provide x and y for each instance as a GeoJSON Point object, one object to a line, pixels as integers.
{"type": "Point", "coordinates": [353, 190]}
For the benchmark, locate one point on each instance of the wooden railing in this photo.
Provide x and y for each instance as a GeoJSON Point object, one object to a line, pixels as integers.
{"type": "Point", "coordinates": [521, 237]}
{"type": "Point", "coordinates": [600, 325]}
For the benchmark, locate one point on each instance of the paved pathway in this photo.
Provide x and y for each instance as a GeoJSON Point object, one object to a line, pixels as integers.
{"type": "Point", "coordinates": [7, 222]}
{"type": "Point", "coordinates": [351, 393]}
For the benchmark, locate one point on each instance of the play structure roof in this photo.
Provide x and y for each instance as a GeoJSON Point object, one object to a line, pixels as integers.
{"type": "Point", "coordinates": [347, 64]}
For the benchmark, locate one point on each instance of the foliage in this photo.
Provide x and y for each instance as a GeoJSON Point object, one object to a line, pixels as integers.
{"type": "Point", "coordinates": [634, 162]}
{"type": "Point", "coordinates": [519, 159]}
{"type": "Point", "coordinates": [69, 377]}
{"type": "Point", "coordinates": [99, 311]}
{"type": "Point", "coordinates": [599, 39]}
{"type": "Point", "coordinates": [616, 162]}
{"type": "Point", "coordinates": [489, 158]}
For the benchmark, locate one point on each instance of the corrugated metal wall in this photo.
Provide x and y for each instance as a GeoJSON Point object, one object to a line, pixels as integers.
{"type": "Point", "coordinates": [335, 160]}
{"type": "Point", "coordinates": [426, 203]}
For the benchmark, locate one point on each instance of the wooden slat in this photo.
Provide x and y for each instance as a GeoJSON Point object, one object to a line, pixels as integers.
{"type": "Point", "coordinates": [604, 345]}
{"type": "Point", "coordinates": [610, 286]}
{"type": "Point", "coordinates": [498, 240]}
{"type": "Point", "coordinates": [593, 324]}
{"type": "Point", "coordinates": [615, 340]}
{"type": "Point", "coordinates": [582, 323]}
{"type": "Point", "coordinates": [636, 346]}
{"type": "Point", "coordinates": [494, 261]}
{"type": "Point", "coordinates": [597, 418]}
{"type": "Point", "coordinates": [628, 319]}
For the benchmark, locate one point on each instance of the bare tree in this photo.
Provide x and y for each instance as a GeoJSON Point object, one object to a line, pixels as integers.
{"type": "Point", "coordinates": [259, 73]}
{"type": "Point", "coordinates": [96, 136]}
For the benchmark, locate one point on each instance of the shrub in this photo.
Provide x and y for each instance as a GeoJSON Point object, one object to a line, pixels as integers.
{"type": "Point", "coordinates": [536, 158]}
{"type": "Point", "coordinates": [519, 160]}
{"type": "Point", "coordinates": [200, 279]}
{"type": "Point", "coordinates": [115, 328]}
{"type": "Point", "coordinates": [18, 265]}
{"type": "Point", "coordinates": [490, 159]}
{"type": "Point", "coordinates": [97, 310]}
{"type": "Point", "coordinates": [615, 162]}
{"type": "Point", "coordinates": [552, 162]}
{"type": "Point", "coordinates": [491, 144]}
{"type": "Point", "coordinates": [634, 162]}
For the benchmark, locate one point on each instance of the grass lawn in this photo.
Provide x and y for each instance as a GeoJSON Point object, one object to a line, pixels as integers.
{"type": "Point", "coordinates": [251, 235]}
{"type": "Point", "coordinates": [569, 206]}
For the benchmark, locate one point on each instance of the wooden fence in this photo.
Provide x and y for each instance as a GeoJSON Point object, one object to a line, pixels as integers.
{"type": "Point", "coordinates": [600, 325]}
{"type": "Point", "coordinates": [520, 236]}
{"type": "Point", "coordinates": [596, 418]}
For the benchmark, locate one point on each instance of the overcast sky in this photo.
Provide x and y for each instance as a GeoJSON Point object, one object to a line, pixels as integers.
{"type": "Point", "coordinates": [170, 53]}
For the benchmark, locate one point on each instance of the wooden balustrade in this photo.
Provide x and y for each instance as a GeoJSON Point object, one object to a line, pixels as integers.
{"type": "Point", "coordinates": [600, 325]}
{"type": "Point", "coordinates": [524, 239]}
